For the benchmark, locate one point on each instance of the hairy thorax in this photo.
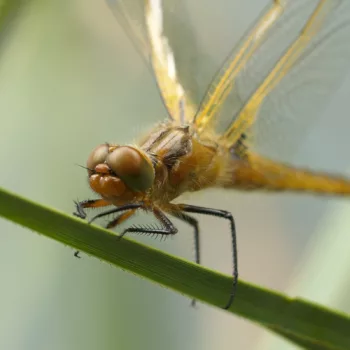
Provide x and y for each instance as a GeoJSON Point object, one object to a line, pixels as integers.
{"type": "Point", "coordinates": [182, 162]}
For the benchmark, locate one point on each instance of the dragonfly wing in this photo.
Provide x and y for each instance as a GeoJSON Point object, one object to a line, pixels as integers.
{"type": "Point", "coordinates": [294, 104]}
{"type": "Point", "coordinates": [223, 98]}
{"type": "Point", "coordinates": [143, 22]}
{"type": "Point", "coordinates": [283, 71]}
{"type": "Point", "coordinates": [291, 76]}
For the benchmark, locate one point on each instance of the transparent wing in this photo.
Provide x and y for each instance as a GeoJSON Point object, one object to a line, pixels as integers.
{"type": "Point", "coordinates": [284, 71]}
{"type": "Point", "coordinates": [217, 100]}
{"type": "Point", "coordinates": [305, 84]}
{"type": "Point", "coordinates": [143, 21]}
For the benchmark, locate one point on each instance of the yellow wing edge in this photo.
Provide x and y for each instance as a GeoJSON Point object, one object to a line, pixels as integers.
{"type": "Point", "coordinates": [164, 67]}
{"type": "Point", "coordinates": [248, 114]}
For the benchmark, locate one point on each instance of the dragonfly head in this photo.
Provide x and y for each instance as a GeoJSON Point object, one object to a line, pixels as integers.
{"type": "Point", "coordinates": [117, 172]}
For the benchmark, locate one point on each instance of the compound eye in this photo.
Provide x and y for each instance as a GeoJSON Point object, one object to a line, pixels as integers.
{"type": "Point", "coordinates": [133, 167]}
{"type": "Point", "coordinates": [97, 156]}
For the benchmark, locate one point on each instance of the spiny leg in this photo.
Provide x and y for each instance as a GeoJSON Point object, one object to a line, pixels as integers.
{"type": "Point", "coordinates": [194, 223]}
{"type": "Point", "coordinates": [100, 203]}
{"type": "Point", "coordinates": [117, 210]}
{"type": "Point", "coordinates": [91, 203]}
{"type": "Point", "coordinates": [120, 218]}
{"type": "Point", "coordinates": [225, 215]}
{"type": "Point", "coordinates": [167, 228]}
{"type": "Point", "coordinates": [80, 213]}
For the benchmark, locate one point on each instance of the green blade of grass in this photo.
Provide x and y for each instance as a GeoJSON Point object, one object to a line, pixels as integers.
{"type": "Point", "coordinates": [304, 323]}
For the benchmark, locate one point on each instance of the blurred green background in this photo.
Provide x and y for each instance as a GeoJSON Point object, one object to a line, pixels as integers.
{"type": "Point", "coordinates": [69, 80]}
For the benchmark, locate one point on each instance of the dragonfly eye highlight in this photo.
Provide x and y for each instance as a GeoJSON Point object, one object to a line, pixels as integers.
{"type": "Point", "coordinates": [133, 167]}
{"type": "Point", "coordinates": [97, 156]}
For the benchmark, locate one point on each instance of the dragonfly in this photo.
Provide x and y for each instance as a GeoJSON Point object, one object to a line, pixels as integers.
{"type": "Point", "coordinates": [293, 56]}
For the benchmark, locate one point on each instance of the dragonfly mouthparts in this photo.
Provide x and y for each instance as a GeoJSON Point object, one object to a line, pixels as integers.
{"type": "Point", "coordinates": [102, 169]}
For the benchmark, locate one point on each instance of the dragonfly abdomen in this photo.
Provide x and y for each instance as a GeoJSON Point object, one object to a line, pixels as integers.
{"type": "Point", "coordinates": [261, 173]}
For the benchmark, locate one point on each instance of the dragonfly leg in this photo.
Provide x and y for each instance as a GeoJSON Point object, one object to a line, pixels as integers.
{"type": "Point", "coordinates": [115, 210]}
{"type": "Point", "coordinates": [167, 227]}
{"type": "Point", "coordinates": [101, 203]}
{"type": "Point", "coordinates": [194, 223]}
{"type": "Point", "coordinates": [90, 203]}
{"type": "Point", "coordinates": [80, 212]}
{"type": "Point", "coordinates": [121, 218]}
{"type": "Point", "coordinates": [225, 215]}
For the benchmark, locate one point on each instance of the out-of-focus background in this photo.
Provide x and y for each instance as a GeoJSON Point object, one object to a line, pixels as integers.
{"type": "Point", "coordinates": [70, 80]}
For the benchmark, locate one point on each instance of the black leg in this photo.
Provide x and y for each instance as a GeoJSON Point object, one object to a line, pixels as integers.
{"type": "Point", "coordinates": [194, 223]}
{"type": "Point", "coordinates": [117, 210]}
{"type": "Point", "coordinates": [167, 227]}
{"type": "Point", "coordinates": [96, 203]}
{"type": "Point", "coordinates": [226, 215]}
{"type": "Point", "coordinates": [120, 218]}
{"type": "Point", "coordinates": [80, 212]}
{"type": "Point", "coordinates": [91, 203]}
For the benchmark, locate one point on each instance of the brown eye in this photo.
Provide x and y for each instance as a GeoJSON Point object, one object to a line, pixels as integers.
{"type": "Point", "coordinates": [97, 156]}
{"type": "Point", "coordinates": [133, 167]}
